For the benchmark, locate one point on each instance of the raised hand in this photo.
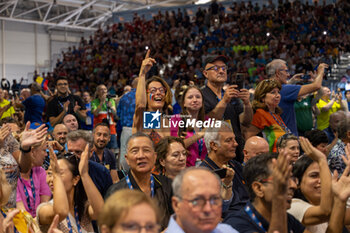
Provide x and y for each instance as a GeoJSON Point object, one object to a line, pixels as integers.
{"type": "Point", "coordinates": [4, 133]}
{"type": "Point", "coordinates": [53, 161]}
{"type": "Point", "coordinates": [76, 106]}
{"type": "Point", "coordinates": [231, 92]}
{"type": "Point", "coordinates": [310, 150]}
{"type": "Point", "coordinates": [230, 173]}
{"type": "Point", "coordinates": [33, 137]}
{"type": "Point", "coordinates": [7, 224]}
{"type": "Point", "coordinates": [244, 95]}
{"type": "Point", "coordinates": [147, 63]}
{"type": "Point", "coordinates": [321, 68]}
{"type": "Point", "coordinates": [55, 145]}
{"type": "Point", "coordinates": [66, 106]}
{"type": "Point", "coordinates": [281, 172]}
{"type": "Point", "coordinates": [84, 161]}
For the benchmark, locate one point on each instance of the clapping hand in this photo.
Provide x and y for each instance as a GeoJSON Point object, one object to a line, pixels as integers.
{"type": "Point", "coordinates": [33, 137]}
{"type": "Point", "coordinates": [310, 150]}
{"type": "Point", "coordinates": [53, 226]}
{"type": "Point", "coordinates": [76, 106]}
{"type": "Point", "coordinates": [84, 161]}
{"type": "Point", "coordinates": [281, 172]}
{"type": "Point", "coordinates": [4, 133]}
{"type": "Point", "coordinates": [7, 224]}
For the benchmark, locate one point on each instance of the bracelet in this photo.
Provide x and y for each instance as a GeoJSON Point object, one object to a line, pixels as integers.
{"type": "Point", "coordinates": [25, 151]}
{"type": "Point", "coordinates": [227, 186]}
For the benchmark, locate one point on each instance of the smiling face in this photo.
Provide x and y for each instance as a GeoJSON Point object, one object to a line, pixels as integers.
{"type": "Point", "coordinates": [38, 155]}
{"type": "Point", "coordinates": [140, 155]}
{"type": "Point", "coordinates": [62, 87]}
{"type": "Point", "coordinates": [272, 98]}
{"type": "Point", "coordinates": [193, 100]}
{"type": "Point", "coordinates": [311, 184]}
{"type": "Point", "coordinates": [156, 96]}
{"type": "Point", "coordinates": [292, 149]}
{"type": "Point", "coordinates": [101, 136]}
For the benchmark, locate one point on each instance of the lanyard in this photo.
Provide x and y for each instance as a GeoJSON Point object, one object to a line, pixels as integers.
{"type": "Point", "coordinates": [26, 191]}
{"type": "Point", "coordinates": [76, 221]}
{"type": "Point", "coordinates": [131, 187]}
{"type": "Point", "coordinates": [222, 96]}
{"type": "Point", "coordinates": [200, 143]}
{"type": "Point", "coordinates": [3, 214]}
{"type": "Point", "coordinates": [280, 123]}
{"type": "Point", "coordinates": [249, 211]}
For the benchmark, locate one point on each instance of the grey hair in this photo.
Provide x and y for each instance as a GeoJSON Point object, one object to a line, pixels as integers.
{"type": "Point", "coordinates": [80, 134]}
{"type": "Point", "coordinates": [178, 180]}
{"type": "Point", "coordinates": [344, 127]}
{"type": "Point", "coordinates": [138, 135]}
{"type": "Point", "coordinates": [212, 135]}
{"type": "Point", "coordinates": [282, 141]}
{"type": "Point", "coordinates": [273, 66]}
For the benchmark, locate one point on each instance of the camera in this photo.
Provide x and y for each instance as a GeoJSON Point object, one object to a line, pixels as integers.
{"type": "Point", "coordinates": [110, 96]}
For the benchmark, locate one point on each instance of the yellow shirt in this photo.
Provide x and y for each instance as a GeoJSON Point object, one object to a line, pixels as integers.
{"type": "Point", "coordinates": [323, 118]}
{"type": "Point", "coordinates": [9, 112]}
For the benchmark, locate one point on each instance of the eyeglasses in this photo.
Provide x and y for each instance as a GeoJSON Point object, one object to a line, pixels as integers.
{"type": "Point", "coordinates": [62, 84]}
{"type": "Point", "coordinates": [286, 70]}
{"type": "Point", "coordinates": [153, 90]}
{"type": "Point", "coordinates": [198, 203]}
{"type": "Point", "coordinates": [217, 68]}
{"type": "Point", "coordinates": [70, 157]}
{"type": "Point", "coordinates": [136, 228]}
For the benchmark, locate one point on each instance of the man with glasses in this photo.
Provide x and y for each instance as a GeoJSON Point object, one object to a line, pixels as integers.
{"type": "Point", "coordinates": [271, 191]}
{"type": "Point", "coordinates": [278, 70]}
{"type": "Point", "coordinates": [232, 104]}
{"type": "Point", "coordinates": [76, 142]}
{"type": "Point", "coordinates": [197, 203]}
{"type": "Point", "coordinates": [64, 103]}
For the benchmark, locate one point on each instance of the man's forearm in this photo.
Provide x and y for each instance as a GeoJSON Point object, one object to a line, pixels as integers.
{"type": "Point", "coordinates": [81, 114]}
{"type": "Point", "coordinates": [55, 120]}
{"type": "Point", "coordinates": [278, 220]}
{"type": "Point", "coordinates": [247, 115]}
{"type": "Point", "coordinates": [219, 110]}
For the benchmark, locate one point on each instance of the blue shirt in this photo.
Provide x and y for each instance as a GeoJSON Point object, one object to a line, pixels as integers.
{"type": "Point", "coordinates": [289, 94]}
{"type": "Point", "coordinates": [34, 105]}
{"type": "Point", "coordinates": [100, 176]}
{"type": "Point", "coordinates": [108, 159]}
{"type": "Point", "coordinates": [126, 108]}
{"type": "Point", "coordinates": [173, 227]}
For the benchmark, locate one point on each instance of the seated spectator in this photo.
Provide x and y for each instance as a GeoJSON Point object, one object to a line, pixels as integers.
{"type": "Point", "coordinates": [171, 156]}
{"type": "Point", "coordinates": [141, 159]}
{"type": "Point", "coordinates": [318, 139]}
{"type": "Point", "coordinates": [328, 104]}
{"type": "Point", "coordinates": [334, 121]}
{"type": "Point", "coordinates": [70, 122]}
{"type": "Point", "coordinates": [102, 155]}
{"type": "Point", "coordinates": [88, 123]}
{"type": "Point", "coordinates": [312, 202]}
{"type": "Point", "coordinates": [32, 188]}
{"type": "Point", "coordinates": [254, 146]}
{"type": "Point", "coordinates": [129, 210]}
{"type": "Point", "coordinates": [104, 110]}
{"type": "Point", "coordinates": [76, 199]}
{"type": "Point", "coordinates": [267, 117]}
{"type": "Point", "coordinates": [192, 105]}
{"type": "Point", "coordinates": [153, 95]}
{"type": "Point", "coordinates": [222, 145]}
{"type": "Point", "coordinates": [290, 144]}
{"type": "Point", "coordinates": [64, 103]}
{"type": "Point", "coordinates": [6, 108]}
{"type": "Point", "coordinates": [193, 188]}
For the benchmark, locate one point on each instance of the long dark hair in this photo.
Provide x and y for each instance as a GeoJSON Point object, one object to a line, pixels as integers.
{"type": "Point", "coordinates": [80, 197]}
{"type": "Point", "coordinates": [299, 169]}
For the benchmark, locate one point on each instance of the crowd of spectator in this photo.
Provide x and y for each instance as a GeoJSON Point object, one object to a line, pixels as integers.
{"type": "Point", "coordinates": [274, 158]}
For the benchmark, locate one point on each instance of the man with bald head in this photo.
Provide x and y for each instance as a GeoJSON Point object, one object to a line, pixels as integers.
{"type": "Point", "coordinates": [60, 134]}
{"type": "Point", "coordinates": [197, 203]}
{"type": "Point", "coordinates": [71, 122]}
{"type": "Point", "coordinates": [255, 146]}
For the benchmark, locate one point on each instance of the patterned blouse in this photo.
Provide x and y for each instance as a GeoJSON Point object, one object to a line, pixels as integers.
{"type": "Point", "coordinates": [10, 167]}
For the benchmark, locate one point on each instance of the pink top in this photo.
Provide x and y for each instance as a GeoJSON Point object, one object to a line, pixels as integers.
{"type": "Point", "coordinates": [41, 188]}
{"type": "Point", "coordinates": [192, 149]}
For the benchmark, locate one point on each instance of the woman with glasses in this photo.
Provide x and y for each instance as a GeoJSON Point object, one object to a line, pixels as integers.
{"type": "Point", "coordinates": [153, 95]}
{"type": "Point", "coordinates": [266, 118]}
{"type": "Point", "coordinates": [129, 211]}
{"type": "Point", "coordinates": [76, 199]}
{"type": "Point", "coordinates": [171, 156]}
{"type": "Point", "coordinates": [312, 202]}
{"type": "Point", "coordinates": [192, 105]}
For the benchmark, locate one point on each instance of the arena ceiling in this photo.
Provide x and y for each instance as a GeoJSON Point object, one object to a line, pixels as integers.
{"type": "Point", "coordinates": [74, 14]}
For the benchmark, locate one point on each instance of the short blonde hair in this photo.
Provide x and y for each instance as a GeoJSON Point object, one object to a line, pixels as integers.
{"type": "Point", "coordinates": [118, 204]}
